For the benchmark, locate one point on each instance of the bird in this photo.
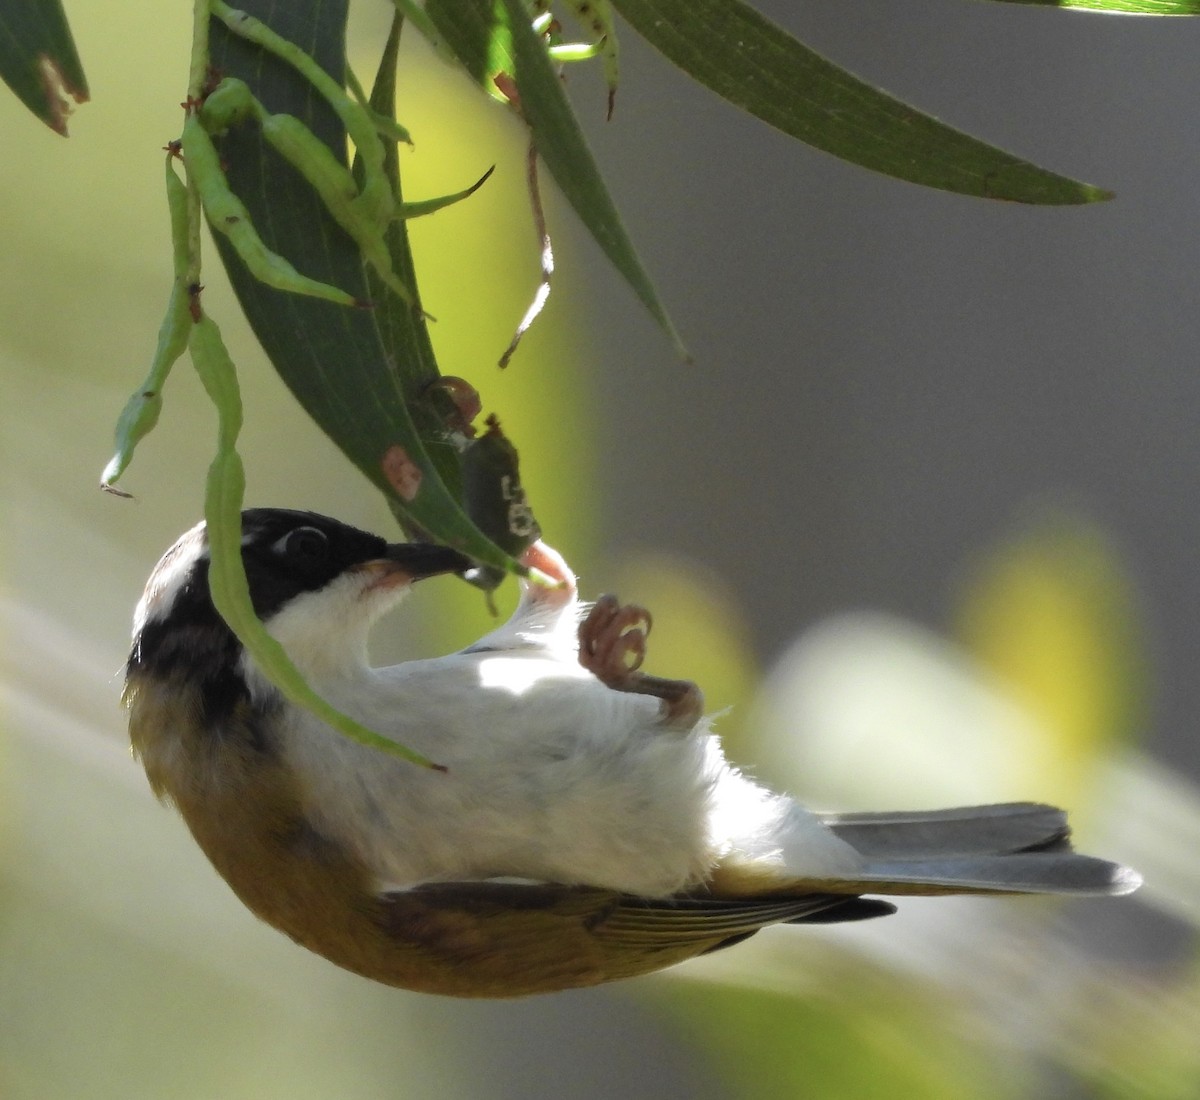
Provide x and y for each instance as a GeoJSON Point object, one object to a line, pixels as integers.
{"type": "Point", "coordinates": [583, 824]}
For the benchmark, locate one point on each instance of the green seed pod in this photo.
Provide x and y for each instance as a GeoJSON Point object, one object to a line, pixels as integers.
{"type": "Point", "coordinates": [229, 103]}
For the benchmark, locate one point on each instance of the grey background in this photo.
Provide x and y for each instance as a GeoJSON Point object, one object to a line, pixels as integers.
{"type": "Point", "coordinates": [888, 377]}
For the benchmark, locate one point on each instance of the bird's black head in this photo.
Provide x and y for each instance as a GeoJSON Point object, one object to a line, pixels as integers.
{"type": "Point", "coordinates": [286, 554]}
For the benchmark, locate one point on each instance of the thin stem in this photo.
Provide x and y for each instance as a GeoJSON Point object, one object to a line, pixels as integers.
{"type": "Point", "coordinates": [198, 72]}
{"type": "Point", "coordinates": [197, 78]}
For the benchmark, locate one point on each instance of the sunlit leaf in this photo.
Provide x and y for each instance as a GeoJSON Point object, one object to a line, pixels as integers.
{"type": "Point", "coordinates": [759, 67]}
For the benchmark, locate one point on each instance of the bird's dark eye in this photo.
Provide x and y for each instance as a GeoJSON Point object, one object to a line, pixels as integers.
{"type": "Point", "coordinates": [305, 547]}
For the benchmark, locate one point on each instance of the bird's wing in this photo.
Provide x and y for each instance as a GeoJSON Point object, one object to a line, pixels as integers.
{"type": "Point", "coordinates": [503, 939]}
{"type": "Point", "coordinates": [718, 922]}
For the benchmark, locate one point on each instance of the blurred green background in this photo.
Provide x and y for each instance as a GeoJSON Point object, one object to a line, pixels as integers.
{"type": "Point", "coordinates": [922, 513]}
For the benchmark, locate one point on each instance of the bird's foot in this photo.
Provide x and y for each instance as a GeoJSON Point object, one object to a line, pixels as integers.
{"type": "Point", "coordinates": [612, 646]}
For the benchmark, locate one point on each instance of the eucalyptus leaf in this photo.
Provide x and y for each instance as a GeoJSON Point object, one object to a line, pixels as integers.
{"type": "Point", "coordinates": [38, 60]}
{"type": "Point", "coordinates": [756, 65]}
{"type": "Point", "coordinates": [332, 357]}
{"type": "Point", "coordinates": [496, 39]}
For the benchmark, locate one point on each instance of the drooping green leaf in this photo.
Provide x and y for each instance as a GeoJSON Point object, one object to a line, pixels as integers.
{"type": "Point", "coordinates": [493, 38]}
{"type": "Point", "coordinates": [144, 406]}
{"type": "Point", "coordinates": [38, 60]}
{"type": "Point", "coordinates": [365, 390]}
{"type": "Point", "coordinates": [224, 494]}
{"type": "Point", "coordinates": [562, 147]}
{"type": "Point", "coordinates": [1124, 7]}
{"type": "Point", "coordinates": [756, 65]}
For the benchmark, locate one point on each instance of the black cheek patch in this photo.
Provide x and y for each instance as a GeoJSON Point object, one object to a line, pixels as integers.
{"type": "Point", "coordinates": [228, 712]}
{"type": "Point", "coordinates": [222, 693]}
{"type": "Point", "coordinates": [206, 657]}
{"type": "Point", "coordinates": [276, 576]}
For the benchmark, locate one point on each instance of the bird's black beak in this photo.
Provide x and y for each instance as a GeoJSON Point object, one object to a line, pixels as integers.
{"type": "Point", "coordinates": [426, 559]}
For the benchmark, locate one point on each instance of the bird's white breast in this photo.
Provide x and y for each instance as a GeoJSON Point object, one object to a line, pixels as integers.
{"type": "Point", "coordinates": [550, 775]}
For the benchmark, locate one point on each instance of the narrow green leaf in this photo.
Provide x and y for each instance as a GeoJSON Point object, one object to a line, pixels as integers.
{"type": "Point", "coordinates": [730, 48]}
{"type": "Point", "coordinates": [364, 393]}
{"type": "Point", "coordinates": [142, 410]}
{"type": "Point", "coordinates": [562, 147]}
{"type": "Point", "coordinates": [492, 38]}
{"type": "Point", "coordinates": [224, 493]}
{"type": "Point", "coordinates": [38, 60]}
{"type": "Point", "coordinates": [422, 208]}
{"type": "Point", "coordinates": [1124, 7]}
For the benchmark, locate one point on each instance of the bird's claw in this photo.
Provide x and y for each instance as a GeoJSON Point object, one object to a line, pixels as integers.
{"type": "Point", "coordinates": [612, 646]}
{"type": "Point", "coordinates": [612, 639]}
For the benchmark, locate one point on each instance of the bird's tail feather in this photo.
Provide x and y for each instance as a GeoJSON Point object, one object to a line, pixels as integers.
{"type": "Point", "coordinates": [962, 831]}
{"type": "Point", "coordinates": [1019, 847]}
{"type": "Point", "coordinates": [1022, 873]}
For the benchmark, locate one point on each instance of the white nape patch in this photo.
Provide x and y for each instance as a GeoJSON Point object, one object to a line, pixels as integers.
{"type": "Point", "coordinates": [169, 576]}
